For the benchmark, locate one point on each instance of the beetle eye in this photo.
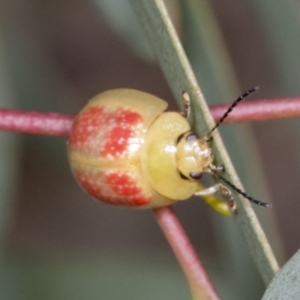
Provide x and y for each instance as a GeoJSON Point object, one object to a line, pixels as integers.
{"type": "Point", "coordinates": [193, 136]}
{"type": "Point", "coordinates": [195, 175]}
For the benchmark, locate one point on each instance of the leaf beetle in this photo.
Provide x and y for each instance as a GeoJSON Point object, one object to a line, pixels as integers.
{"type": "Point", "coordinates": [125, 150]}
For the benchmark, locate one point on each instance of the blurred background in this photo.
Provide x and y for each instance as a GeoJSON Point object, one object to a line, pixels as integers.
{"type": "Point", "coordinates": [56, 243]}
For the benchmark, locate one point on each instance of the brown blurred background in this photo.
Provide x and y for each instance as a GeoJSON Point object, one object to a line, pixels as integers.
{"type": "Point", "coordinates": [57, 55]}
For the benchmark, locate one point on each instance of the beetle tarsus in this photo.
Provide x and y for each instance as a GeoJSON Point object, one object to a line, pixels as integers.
{"type": "Point", "coordinates": [187, 105]}
{"type": "Point", "coordinates": [223, 190]}
{"type": "Point", "coordinates": [245, 195]}
{"type": "Point", "coordinates": [218, 169]}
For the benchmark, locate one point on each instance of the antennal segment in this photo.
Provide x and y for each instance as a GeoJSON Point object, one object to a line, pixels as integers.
{"type": "Point", "coordinates": [229, 110]}
{"type": "Point", "coordinates": [245, 195]}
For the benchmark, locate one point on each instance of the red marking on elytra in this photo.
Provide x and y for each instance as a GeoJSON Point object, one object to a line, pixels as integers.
{"type": "Point", "coordinates": [112, 188]}
{"type": "Point", "coordinates": [88, 183]}
{"type": "Point", "coordinates": [129, 117]}
{"type": "Point", "coordinates": [141, 200]}
{"type": "Point", "coordinates": [117, 141]}
{"type": "Point", "coordinates": [101, 131]}
{"type": "Point", "coordinates": [86, 125]}
{"type": "Point", "coordinates": [118, 138]}
{"type": "Point", "coordinates": [122, 184]}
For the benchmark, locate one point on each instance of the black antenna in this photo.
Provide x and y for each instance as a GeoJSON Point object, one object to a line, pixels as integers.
{"type": "Point", "coordinates": [229, 110]}
{"type": "Point", "coordinates": [245, 195]}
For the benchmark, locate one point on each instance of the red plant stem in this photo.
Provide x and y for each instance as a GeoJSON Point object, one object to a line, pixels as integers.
{"type": "Point", "coordinates": [60, 124]}
{"type": "Point", "coordinates": [185, 253]}
{"type": "Point", "coordinates": [260, 110]}
{"type": "Point", "coordinates": [35, 122]}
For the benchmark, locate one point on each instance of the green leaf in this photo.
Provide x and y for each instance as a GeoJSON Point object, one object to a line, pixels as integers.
{"type": "Point", "coordinates": [178, 72]}
{"type": "Point", "coordinates": [286, 283]}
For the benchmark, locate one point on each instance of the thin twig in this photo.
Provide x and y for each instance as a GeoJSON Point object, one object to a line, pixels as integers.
{"type": "Point", "coordinates": [34, 122]}
{"type": "Point", "coordinates": [197, 277]}
{"type": "Point", "coordinates": [260, 110]}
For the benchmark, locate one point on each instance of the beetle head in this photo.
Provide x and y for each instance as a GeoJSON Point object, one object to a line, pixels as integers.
{"type": "Point", "coordinates": [194, 156]}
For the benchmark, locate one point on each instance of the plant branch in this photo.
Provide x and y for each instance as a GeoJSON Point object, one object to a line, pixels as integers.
{"type": "Point", "coordinates": [260, 110]}
{"type": "Point", "coordinates": [55, 124]}
{"type": "Point", "coordinates": [34, 122]}
{"type": "Point", "coordinates": [187, 257]}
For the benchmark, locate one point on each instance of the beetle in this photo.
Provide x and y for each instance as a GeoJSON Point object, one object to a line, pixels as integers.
{"type": "Point", "coordinates": [126, 150]}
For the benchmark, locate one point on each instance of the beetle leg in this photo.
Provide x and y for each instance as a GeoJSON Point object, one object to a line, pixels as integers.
{"type": "Point", "coordinates": [208, 191]}
{"type": "Point", "coordinates": [218, 169]}
{"type": "Point", "coordinates": [187, 105]}
{"type": "Point", "coordinates": [226, 193]}
{"type": "Point", "coordinates": [223, 207]}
